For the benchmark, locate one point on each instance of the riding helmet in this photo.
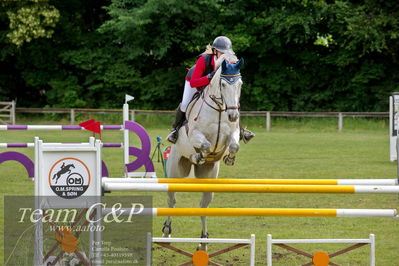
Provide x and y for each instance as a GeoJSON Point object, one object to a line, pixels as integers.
{"type": "Point", "coordinates": [223, 44]}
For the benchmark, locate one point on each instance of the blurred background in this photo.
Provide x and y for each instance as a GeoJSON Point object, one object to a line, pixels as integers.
{"type": "Point", "coordinates": [299, 55]}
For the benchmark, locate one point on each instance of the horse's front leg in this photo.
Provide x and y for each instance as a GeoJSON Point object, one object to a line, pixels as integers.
{"type": "Point", "coordinates": [176, 167]}
{"type": "Point", "coordinates": [201, 144]}
{"type": "Point", "coordinates": [234, 146]}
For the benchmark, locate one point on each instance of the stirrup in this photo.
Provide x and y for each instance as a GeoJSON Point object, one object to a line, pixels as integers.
{"type": "Point", "coordinates": [172, 137]}
{"type": "Point", "coordinates": [246, 135]}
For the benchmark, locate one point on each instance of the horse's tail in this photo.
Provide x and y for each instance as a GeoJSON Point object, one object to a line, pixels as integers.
{"type": "Point", "coordinates": [54, 176]}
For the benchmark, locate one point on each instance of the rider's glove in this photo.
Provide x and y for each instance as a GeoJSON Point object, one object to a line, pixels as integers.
{"type": "Point", "coordinates": [210, 75]}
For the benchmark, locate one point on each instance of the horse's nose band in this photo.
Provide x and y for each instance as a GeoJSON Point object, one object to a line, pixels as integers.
{"type": "Point", "coordinates": [231, 79]}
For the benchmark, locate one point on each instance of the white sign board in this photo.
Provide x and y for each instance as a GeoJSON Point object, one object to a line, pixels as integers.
{"type": "Point", "coordinates": [68, 172]}
{"type": "Point", "coordinates": [67, 176]}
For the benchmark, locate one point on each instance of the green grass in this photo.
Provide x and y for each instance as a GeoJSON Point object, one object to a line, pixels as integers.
{"type": "Point", "coordinates": [297, 148]}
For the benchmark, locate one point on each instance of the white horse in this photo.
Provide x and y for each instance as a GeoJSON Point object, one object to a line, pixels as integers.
{"type": "Point", "coordinates": [212, 133]}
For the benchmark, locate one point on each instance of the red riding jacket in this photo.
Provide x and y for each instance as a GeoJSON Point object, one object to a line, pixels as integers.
{"type": "Point", "coordinates": [197, 75]}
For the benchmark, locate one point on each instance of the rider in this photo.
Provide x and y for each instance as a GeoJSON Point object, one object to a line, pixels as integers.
{"type": "Point", "coordinates": [197, 78]}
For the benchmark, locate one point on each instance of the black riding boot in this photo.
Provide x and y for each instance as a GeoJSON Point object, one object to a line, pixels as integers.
{"type": "Point", "coordinates": [179, 119]}
{"type": "Point", "coordinates": [246, 135]}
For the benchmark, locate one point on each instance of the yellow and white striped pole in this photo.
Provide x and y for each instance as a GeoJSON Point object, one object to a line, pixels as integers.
{"type": "Point", "coordinates": [374, 182]}
{"type": "Point", "coordinates": [391, 213]}
{"type": "Point", "coordinates": [251, 188]}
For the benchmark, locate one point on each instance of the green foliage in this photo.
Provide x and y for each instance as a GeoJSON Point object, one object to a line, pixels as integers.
{"type": "Point", "coordinates": [300, 55]}
{"type": "Point", "coordinates": [35, 19]}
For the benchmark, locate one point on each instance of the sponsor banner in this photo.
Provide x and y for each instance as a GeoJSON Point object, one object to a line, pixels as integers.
{"type": "Point", "coordinates": [69, 236]}
{"type": "Point", "coordinates": [69, 177]}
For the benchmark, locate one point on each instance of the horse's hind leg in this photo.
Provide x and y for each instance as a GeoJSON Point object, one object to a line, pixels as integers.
{"type": "Point", "coordinates": [205, 201]}
{"type": "Point", "coordinates": [176, 167]}
{"type": "Point", "coordinates": [206, 171]}
{"type": "Point", "coordinates": [167, 225]}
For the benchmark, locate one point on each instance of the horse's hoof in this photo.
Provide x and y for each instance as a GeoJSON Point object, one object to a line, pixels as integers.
{"type": "Point", "coordinates": [206, 147]}
{"type": "Point", "coordinates": [229, 160]}
{"type": "Point", "coordinates": [167, 236]}
{"type": "Point", "coordinates": [203, 247]}
{"type": "Point", "coordinates": [197, 159]}
{"type": "Point", "coordinates": [167, 229]}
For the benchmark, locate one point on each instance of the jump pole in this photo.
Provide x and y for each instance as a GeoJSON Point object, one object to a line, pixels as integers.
{"type": "Point", "coordinates": [376, 182]}
{"type": "Point", "coordinates": [126, 132]}
{"type": "Point", "coordinates": [32, 145]}
{"type": "Point", "coordinates": [55, 127]}
{"type": "Point", "coordinates": [273, 212]}
{"type": "Point", "coordinates": [251, 188]}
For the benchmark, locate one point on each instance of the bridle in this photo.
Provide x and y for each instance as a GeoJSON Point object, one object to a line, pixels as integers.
{"type": "Point", "coordinates": [221, 107]}
{"type": "Point", "coordinates": [219, 101]}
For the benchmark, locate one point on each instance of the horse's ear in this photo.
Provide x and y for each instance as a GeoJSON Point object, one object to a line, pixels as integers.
{"type": "Point", "coordinates": [240, 63]}
{"type": "Point", "coordinates": [224, 66]}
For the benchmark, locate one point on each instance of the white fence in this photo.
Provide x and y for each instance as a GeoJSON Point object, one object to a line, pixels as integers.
{"type": "Point", "coordinates": [7, 113]}
{"type": "Point", "coordinates": [268, 115]}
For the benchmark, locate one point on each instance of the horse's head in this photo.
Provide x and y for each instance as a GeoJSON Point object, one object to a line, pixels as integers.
{"type": "Point", "coordinates": [230, 88]}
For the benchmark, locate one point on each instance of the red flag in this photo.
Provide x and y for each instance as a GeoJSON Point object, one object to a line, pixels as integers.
{"type": "Point", "coordinates": [86, 123]}
{"type": "Point", "coordinates": [94, 127]}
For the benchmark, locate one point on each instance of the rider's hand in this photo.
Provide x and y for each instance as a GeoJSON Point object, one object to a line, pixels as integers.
{"type": "Point", "coordinates": [210, 75]}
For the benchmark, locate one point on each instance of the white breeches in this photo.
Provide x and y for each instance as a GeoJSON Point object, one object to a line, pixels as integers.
{"type": "Point", "coordinates": [187, 96]}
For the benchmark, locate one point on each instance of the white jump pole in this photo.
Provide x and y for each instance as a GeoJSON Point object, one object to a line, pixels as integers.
{"type": "Point", "coordinates": [245, 188]}
{"type": "Point", "coordinates": [375, 182]}
{"type": "Point", "coordinates": [125, 131]}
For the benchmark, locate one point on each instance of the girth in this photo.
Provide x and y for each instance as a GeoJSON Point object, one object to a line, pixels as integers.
{"type": "Point", "coordinates": [213, 156]}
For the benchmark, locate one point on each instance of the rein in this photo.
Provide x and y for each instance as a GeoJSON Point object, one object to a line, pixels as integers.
{"type": "Point", "coordinates": [220, 107]}
{"type": "Point", "coordinates": [220, 102]}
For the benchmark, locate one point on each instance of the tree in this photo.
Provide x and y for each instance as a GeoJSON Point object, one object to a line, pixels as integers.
{"type": "Point", "coordinates": [300, 55]}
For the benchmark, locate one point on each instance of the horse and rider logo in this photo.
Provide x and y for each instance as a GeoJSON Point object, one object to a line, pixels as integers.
{"type": "Point", "coordinates": [64, 169]}
{"type": "Point", "coordinates": [69, 178]}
